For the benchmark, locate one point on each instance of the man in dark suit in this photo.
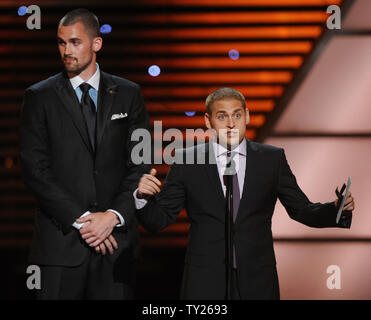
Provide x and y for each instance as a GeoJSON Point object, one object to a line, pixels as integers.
{"type": "Point", "coordinates": [75, 149]}
{"type": "Point", "coordinates": [261, 175]}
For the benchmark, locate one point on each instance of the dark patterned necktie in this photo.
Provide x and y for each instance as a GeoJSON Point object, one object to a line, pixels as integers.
{"type": "Point", "coordinates": [231, 171]}
{"type": "Point", "coordinates": [89, 112]}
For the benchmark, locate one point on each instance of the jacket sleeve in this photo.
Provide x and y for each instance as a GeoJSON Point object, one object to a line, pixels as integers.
{"type": "Point", "coordinates": [36, 165]}
{"type": "Point", "coordinates": [163, 209]}
{"type": "Point", "coordinates": [298, 205]}
{"type": "Point", "coordinates": [123, 201]}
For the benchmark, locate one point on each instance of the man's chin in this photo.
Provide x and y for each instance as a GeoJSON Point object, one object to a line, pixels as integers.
{"type": "Point", "coordinates": [72, 70]}
{"type": "Point", "coordinates": [68, 67]}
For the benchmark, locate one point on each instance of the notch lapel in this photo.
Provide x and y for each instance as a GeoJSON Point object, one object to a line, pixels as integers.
{"type": "Point", "coordinates": [106, 94]}
{"type": "Point", "coordinates": [69, 100]}
{"type": "Point", "coordinates": [251, 176]}
{"type": "Point", "coordinates": [213, 176]}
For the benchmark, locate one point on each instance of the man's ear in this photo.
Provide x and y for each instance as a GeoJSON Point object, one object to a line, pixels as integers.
{"type": "Point", "coordinates": [97, 44]}
{"type": "Point", "coordinates": [247, 116]}
{"type": "Point", "coordinates": [207, 121]}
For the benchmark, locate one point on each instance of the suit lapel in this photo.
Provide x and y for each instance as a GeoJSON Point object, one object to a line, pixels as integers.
{"type": "Point", "coordinates": [69, 100]}
{"type": "Point", "coordinates": [106, 94]}
{"type": "Point", "coordinates": [252, 161]}
{"type": "Point", "coordinates": [213, 176]}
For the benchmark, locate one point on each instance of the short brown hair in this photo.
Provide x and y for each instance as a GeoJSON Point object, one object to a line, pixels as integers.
{"type": "Point", "coordinates": [88, 19]}
{"type": "Point", "coordinates": [224, 94]}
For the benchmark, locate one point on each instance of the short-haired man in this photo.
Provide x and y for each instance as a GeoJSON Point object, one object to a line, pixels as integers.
{"type": "Point", "coordinates": [75, 150]}
{"type": "Point", "coordinates": [261, 175]}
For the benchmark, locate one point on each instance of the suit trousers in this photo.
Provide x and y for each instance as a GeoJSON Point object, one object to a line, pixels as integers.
{"type": "Point", "coordinates": [94, 279]}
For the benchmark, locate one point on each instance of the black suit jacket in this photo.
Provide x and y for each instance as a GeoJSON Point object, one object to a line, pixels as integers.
{"type": "Point", "coordinates": [197, 188]}
{"type": "Point", "coordinates": [67, 177]}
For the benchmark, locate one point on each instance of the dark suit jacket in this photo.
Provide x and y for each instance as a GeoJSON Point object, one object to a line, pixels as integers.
{"type": "Point", "coordinates": [197, 188]}
{"type": "Point", "coordinates": [67, 177]}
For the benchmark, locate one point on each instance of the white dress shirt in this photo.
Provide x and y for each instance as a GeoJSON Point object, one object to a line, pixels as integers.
{"type": "Point", "coordinates": [93, 92]}
{"type": "Point", "coordinates": [240, 160]}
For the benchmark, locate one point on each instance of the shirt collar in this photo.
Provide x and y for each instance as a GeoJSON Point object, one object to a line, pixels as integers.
{"type": "Point", "coordinates": [93, 81]}
{"type": "Point", "coordinates": [220, 150]}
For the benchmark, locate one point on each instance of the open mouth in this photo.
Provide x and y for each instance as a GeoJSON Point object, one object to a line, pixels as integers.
{"type": "Point", "coordinates": [232, 134]}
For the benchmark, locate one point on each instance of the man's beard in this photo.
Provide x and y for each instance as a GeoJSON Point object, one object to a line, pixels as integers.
{"type": "Point", "coordinates": [78, 69]}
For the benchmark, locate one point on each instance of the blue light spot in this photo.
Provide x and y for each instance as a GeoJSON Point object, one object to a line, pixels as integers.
{"type": "Point", "coordinates": [154, 70]}
{"type": "Point", "coordinates": [234, 54]}
{"type": "Point", "coordinates": [105, 28]}
{"type": "Point", "coordinates": [22, 10]}
{"type": "Point", "coordinates": [190, 113]}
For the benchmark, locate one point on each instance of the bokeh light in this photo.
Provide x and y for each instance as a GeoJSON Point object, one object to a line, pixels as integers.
{"type": "Point", "coordinates": [234, 54]}
{"type": "Point", "coordinates": [154, 70]}
{"type": "Point", "coordinates": [105, 28]}
{"type": "Point", "coordinates": [22, 10]}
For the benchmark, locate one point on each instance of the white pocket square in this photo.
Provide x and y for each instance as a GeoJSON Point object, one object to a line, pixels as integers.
{"type": "Point", "coordinates": [119, 116]}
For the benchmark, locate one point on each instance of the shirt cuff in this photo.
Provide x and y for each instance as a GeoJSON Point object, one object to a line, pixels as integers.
{"type": "Point", "coordinates": [139, 203]}
{"type": "Point", "coordinates": [122, 221]}
{"type": "Point", "coordinates": [79, 225]}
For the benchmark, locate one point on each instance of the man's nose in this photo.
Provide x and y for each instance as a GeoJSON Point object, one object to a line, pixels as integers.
{"type": "Point", "coordinates": [230, 122]}
{"type": "Point", "coordinates": [67, 49]}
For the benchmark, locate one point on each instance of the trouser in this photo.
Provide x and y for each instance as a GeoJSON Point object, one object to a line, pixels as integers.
{"type": "Point", "coordinates": [98, 277]}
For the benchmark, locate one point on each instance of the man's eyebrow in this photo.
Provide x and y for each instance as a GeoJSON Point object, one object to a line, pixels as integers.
{"type": "Point", "coordinates": [235, 110]}
{"type": "Point", "coordinates": [71, 39]}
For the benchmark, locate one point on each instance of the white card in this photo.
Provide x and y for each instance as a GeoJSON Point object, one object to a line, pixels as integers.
{"type": "Point", "coordinates": [343, 201]}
